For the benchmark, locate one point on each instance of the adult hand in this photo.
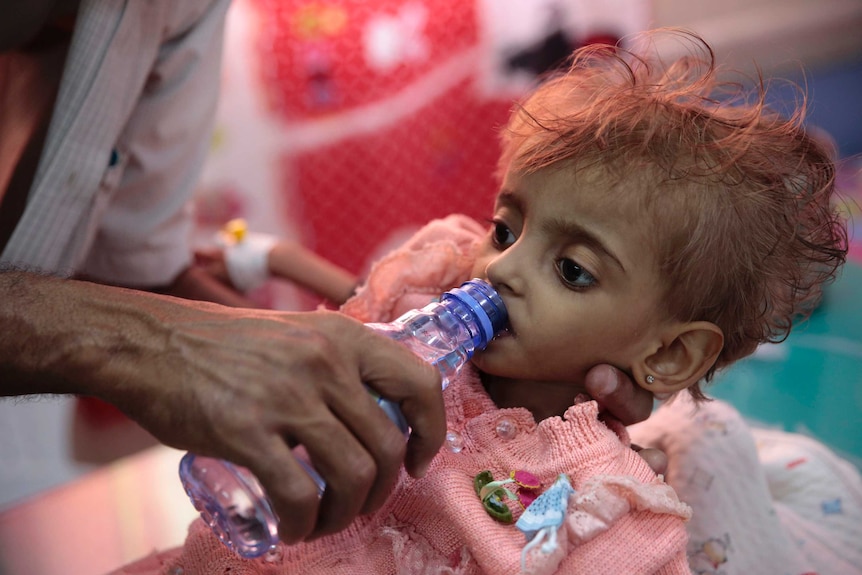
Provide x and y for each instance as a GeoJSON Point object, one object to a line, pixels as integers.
{"type": "Point", "coordinates": [618, 395]}
{"type": "Point", "coordinates": [243, 385]}
{"type": "Point", "coordinates": [253, 385]}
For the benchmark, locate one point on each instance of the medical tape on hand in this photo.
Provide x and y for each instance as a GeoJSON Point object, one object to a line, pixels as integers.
{"type": "Point", "coordinates": [247, 261]}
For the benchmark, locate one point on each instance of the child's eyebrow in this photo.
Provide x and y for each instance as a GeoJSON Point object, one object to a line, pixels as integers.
{"type": "Point", "coordinates": [561, 227]}
{"type": "Point", "coordinates": [509, 198]}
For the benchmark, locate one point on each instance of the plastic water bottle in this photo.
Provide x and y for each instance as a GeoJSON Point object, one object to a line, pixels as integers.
{"type": "Point", "coordinates": [444, 333]}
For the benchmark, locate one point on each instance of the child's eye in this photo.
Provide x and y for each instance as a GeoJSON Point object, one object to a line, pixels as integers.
{"type": "Point", "coordinates": [503, 236]}
{"type": "Point", "coordinates": [574, 275]}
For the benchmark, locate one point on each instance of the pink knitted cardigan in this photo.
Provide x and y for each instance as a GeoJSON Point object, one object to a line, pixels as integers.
{"type": "Point", "coordinates": [622, 520]}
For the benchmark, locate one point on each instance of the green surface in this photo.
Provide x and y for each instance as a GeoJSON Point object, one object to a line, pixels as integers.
{"type": "Point", "coordinates": [811, 383]}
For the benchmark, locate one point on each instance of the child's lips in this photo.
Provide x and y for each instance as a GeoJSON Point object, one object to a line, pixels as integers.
{"type": "Point", "coordinates": [504, 333]}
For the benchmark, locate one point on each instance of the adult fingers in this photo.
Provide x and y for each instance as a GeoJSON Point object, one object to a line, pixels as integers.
{"type": "Point", "coordinates": [618, 394]}
{"type": "Point", "coordinates": [655, 458]}
{"type": "Point", "coordinates": [351, 473]}
{"type": "Point", "coordinates": [357, 450]}
{"type": "Point", "coordinates": [347, 469]}
{"type": "Point", "coordinates": [351, 442]}
{"type": "Point", "coordinates": [291, 490]}
{"type": "Point", "coordinates": [361, 466]}
{"type": "Point", "coordinates": [400, 376]}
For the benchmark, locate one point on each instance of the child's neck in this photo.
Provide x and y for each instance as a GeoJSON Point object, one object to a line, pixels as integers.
{"type": "Point", "coordinates": [543, 399]}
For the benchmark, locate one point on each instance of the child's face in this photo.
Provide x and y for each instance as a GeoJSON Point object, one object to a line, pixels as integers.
{"type": "Point", "coordinates": [574, 265]}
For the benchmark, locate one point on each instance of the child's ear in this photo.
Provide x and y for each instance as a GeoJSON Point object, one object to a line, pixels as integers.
{"type": "Point", "coordinates": [686, 353]}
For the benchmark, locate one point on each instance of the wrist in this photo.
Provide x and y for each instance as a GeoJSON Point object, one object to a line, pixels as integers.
{"type": "Point", "coordinates": [246, 255]}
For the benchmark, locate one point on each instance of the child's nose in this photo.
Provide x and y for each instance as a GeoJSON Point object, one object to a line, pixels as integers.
{"type": "Point", "coordinates": [505, 270]}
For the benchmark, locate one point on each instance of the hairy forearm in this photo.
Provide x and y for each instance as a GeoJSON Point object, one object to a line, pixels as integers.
{"type": "Point", "coordinates": [241, 385]}
{"type": "Point", "coordinates": [34, 312]}
{"type": "Point", "coordinates": [67, 336]}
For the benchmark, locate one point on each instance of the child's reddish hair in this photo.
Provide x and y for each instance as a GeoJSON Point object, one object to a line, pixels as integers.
{"type": "Point", "coordinates": [745, 229]}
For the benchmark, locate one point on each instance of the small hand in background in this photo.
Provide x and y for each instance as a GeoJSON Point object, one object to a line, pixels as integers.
{"type": "Point", "coordinates": [247, 260]}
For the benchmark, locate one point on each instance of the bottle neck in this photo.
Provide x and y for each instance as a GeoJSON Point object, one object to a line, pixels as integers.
{"type": "Point", "coordinates": [477, 304]}
{"type": "Point", "coordinates": [471, 317]}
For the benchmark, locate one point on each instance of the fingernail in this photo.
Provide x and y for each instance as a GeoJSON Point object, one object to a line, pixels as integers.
{"type": "Point", "coordinates": [608, 384]}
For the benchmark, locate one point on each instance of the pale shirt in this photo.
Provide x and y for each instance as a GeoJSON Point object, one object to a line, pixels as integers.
{"type": "Point", "coordinates": [129, 132]}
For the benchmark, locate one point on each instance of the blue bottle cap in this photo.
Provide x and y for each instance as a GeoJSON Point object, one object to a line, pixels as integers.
{"type": "Point", "coordinates": [485, 303]}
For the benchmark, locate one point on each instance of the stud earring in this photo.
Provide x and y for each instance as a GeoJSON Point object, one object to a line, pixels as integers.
{"type": "Point", "coordinates": [650, 380]}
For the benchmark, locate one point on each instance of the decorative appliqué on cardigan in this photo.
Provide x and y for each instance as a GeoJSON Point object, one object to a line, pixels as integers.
{"type": "Point", "coordinates": [541, 523]}
{"type": "Point", "coordinates": [492, 493]}
{"type": "Point", "coordinates": [561, 517]}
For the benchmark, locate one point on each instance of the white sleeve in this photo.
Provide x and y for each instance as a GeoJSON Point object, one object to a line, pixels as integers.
{"type": "Point", "coordinates": [144, 238]}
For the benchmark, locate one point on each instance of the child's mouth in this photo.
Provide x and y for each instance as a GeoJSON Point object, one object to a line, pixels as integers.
{"type": "Point", "coordinates": [504, 333]}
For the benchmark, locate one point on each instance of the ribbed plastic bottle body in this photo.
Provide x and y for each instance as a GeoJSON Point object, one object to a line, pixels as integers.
{"type": "Point", "coordinates": [444, 333]}
{"type": "Point", "coordinates": [436, 334]}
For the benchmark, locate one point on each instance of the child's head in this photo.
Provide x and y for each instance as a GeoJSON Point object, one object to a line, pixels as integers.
{"type": "Point", "coordinates": [662, 227]}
